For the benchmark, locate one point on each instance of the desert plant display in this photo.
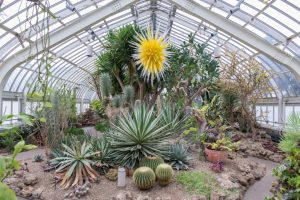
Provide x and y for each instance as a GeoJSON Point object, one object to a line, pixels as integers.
{"type": "Point", "coordinates": [138, 134]}
{"type": "Point", "coordinates": [164, 173]}
{"type": "Point", "coordinates": [75, 165]}
{"type": "Point", "coordinates": [144, 178]}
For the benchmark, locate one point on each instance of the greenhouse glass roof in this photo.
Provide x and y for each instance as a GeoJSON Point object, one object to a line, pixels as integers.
{"type": "Point", "coordinates": [268, 30]}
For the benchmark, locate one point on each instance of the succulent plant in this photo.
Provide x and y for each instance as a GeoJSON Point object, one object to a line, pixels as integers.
{"type": "Point", "coordinates": [178, 157]}
{"type": "Point", "coordinates": [117, 101]}
{"type": "Point", "coordinates": [151, 161]}
{"type": "Point", "coordinates": [128, 94]}
{"type": "Point", "coordinates": [144, 178]}
{"type": "Point", "coordinates": [164, 173]}
{"type": "Point", "coordinates": [105, 85]}
{"type": "Point", "coordinates": [112, 174]}
{"type": "Point", "coordinates": [38, 158]}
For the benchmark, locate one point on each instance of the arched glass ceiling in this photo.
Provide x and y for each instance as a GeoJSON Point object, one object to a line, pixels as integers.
{"type": "Point", "coordinates": [275, 21]}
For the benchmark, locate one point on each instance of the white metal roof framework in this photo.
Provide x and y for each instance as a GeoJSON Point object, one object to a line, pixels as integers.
{"type": "Point", "coordinates": [268, 30]}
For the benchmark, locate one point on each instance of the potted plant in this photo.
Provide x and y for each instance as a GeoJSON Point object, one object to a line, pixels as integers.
{"type": "Point", "coordinates": [218, 151]}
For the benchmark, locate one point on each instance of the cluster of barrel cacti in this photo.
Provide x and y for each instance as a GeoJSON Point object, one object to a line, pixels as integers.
{"type": "Point", "coordinates": [151, 169]}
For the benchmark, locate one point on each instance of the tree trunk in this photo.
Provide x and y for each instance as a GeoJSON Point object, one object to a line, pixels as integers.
{"type": "Point", "coordinates": [117, 76]}
{"type": "Point", "coordinates": [154, 97]}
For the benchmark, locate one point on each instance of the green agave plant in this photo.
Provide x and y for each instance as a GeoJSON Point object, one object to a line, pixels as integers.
{"type": "Point", "coordinates": [103, 159]}
{"type": "Point", "coordinates": [178, 157]}
{"type": "Point", "coordinates": [75, 166]}
{"type": "Point", "coordinates": [174, 119]}
{"type": "Point", "coordinates": [137, 135]}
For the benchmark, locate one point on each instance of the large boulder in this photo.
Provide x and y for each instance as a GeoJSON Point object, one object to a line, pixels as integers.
{"type": "Point", "coordinates": [30, 179]}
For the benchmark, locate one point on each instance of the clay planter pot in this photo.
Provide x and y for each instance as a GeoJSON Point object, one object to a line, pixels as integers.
{"type": "Point", "coordinates": [216, 156]}
{"type": "Point", "coordinates": [129, 172]}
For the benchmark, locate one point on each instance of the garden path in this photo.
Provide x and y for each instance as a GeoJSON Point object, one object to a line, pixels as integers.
{"type": "Point", "coordinates": [259, 190]}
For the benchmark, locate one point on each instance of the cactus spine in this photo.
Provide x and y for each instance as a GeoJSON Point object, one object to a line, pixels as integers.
{"type": "Point", "coordinates": [144, 178]}
{"type": "Point", "coordinates": [151, 161]}
{"type": "Point", "coordinates": [164, 173]}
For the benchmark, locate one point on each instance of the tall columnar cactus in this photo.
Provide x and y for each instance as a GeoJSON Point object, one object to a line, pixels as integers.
{"type": "Point", "coordinates": [151, 161]}
{"type": "Point", "coordinates": [164, 173]}
{"type": "Point", "coordinates": [117, 101]}
{"type": "Point", "coordinates": [105, 85]}
{"type": "Point", "coordinates": [128, 94]}
{"type": "Point", "coordinates": [144, 178]}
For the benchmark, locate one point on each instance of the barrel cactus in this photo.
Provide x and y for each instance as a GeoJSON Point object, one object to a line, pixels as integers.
{"type": "Point", "coordinates": [144, 178]}
{"type": "Point", "coordinates": [164, 173]}
{"type": "Point", "coordinates": [151, 161]}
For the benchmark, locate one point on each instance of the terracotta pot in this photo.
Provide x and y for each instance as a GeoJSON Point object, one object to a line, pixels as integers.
{"type": "Point", "coordinates": [129, 172]}
{"type": "Point", "coordinates": [216, 156]}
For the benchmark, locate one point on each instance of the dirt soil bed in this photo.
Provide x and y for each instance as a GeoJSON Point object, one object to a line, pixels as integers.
{"type": "Point", "coordinates": [105, 189]}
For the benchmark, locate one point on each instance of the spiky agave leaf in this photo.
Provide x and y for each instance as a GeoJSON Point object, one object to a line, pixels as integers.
{"type": "Point", "coordinates": [137, 135]}
{"type": "Point", "coordinates": [75, 166]}
{"type": "Point", "coordinates": [178, 157]}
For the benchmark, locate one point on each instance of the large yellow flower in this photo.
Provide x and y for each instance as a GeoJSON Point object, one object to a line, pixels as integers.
{"type": "Point", "coordinates": [151, 54]}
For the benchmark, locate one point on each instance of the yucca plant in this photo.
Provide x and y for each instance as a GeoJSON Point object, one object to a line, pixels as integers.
{"type": "Point", "coordinates": [178, 157]}
{"type": "Point", "coordinates": [105, 85]}
{"type": "Point", "coordinates": [137, 135]}
{"type": "Point", "coordinates": [75, 166]}
{"type": "Point", "coordinates": [174, 119]}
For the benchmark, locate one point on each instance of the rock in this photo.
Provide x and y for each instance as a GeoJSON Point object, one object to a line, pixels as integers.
{"type": "Point", "coordinates": [243, 167]}
{"type": "Point", "coordinates": [217, 196]}
{"type": "Point", "coordinates": [15, 188]}
{"type": "Point", "coordinates": [30, 179]}
{"type": "Point", "coordinates": [226, 182]}
{"type": "Point", "coordinates": [141, 197]}
{"type": "Point", "coordinates": [276, 158]}
{"type": "Point", "coordinates": [128, 195]}
{"type": "Point", "coordinates": [167, 198]}
{"type": "Point", "coordinates": [19, 173]}
{"type": "Point", "coordinates": [242, 180]}
{"type": "Point", "coordinates": [250, 178]}
{"type": "Point", "coordinates": [158, 198]}
{"type": "Point", "coordinates": [26, 191]}
{"type": "Point", "coordinates": [11, 181]}
{"type": "Point", "coordinates": [234, 196]}
{"type": "Point", "coordinates": [259, 172]}
{"type": "Point", "coordinates": [121, 196]}
{"type": "Point", "coordinates": [37, 193]}
{"type": "Point", "coordinates": [199, 197]}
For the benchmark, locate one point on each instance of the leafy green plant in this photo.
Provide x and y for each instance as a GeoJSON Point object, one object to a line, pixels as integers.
{"type": "Point", "coordinates": [137, 135]}
{"type": "Point", "coordinates": [98, 107]}
{"type": "Point", "coordinates": [151, 161]}
{"type": "Point", "coordinates": [9, 163]}
{"type": "Point", "coordinates": [75, 166]}
{"type": "Point", "coordinates": [144, 178]}
{"type": "Point", "coordinates": [38, 158]}
{"type": "Point", "coordinates": [288, 173]}
{"type": "Point", "coordinates": [178, 157]}
{"type": "Point", "coordinates": [164, 173]}
{"type": "Point", "coordinates": [197, 182]}
{"type": "Point", "coordinates": [102, 126]}
{"type": "Point", "coordinates": [74, 131]}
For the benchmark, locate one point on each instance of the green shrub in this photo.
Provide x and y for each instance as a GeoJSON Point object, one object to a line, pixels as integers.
{"type": "Point", "coordinates": [288, 173]}
{"type": "Point", "coordinates": [197, 182]}
{"type": "Point", "coordinates": [137, 135]}
{"type": "Point", "coordinates": [98, 107]}
{"type": "Point", "coordinates": [74, 131]}
{"type": "Point", "coordinates": [144, 178]}
{"type": "Point", "coordinates": [102, 126]}
{"type": "Point", "coordinates": [151, 161]}
{"type": "Point", "coordinates": [164, 173]}
{"type": "Point", "coordinates": [178, 157]}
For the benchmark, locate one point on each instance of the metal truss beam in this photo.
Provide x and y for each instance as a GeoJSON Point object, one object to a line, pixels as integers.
{"type": "Point", "coordinates": [241, 34]}
{"type": "Point", "coordinates": [59, 36]}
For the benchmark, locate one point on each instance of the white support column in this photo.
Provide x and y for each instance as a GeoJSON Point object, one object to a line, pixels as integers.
{"type": "Point", "coordinates": [280, 111]}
